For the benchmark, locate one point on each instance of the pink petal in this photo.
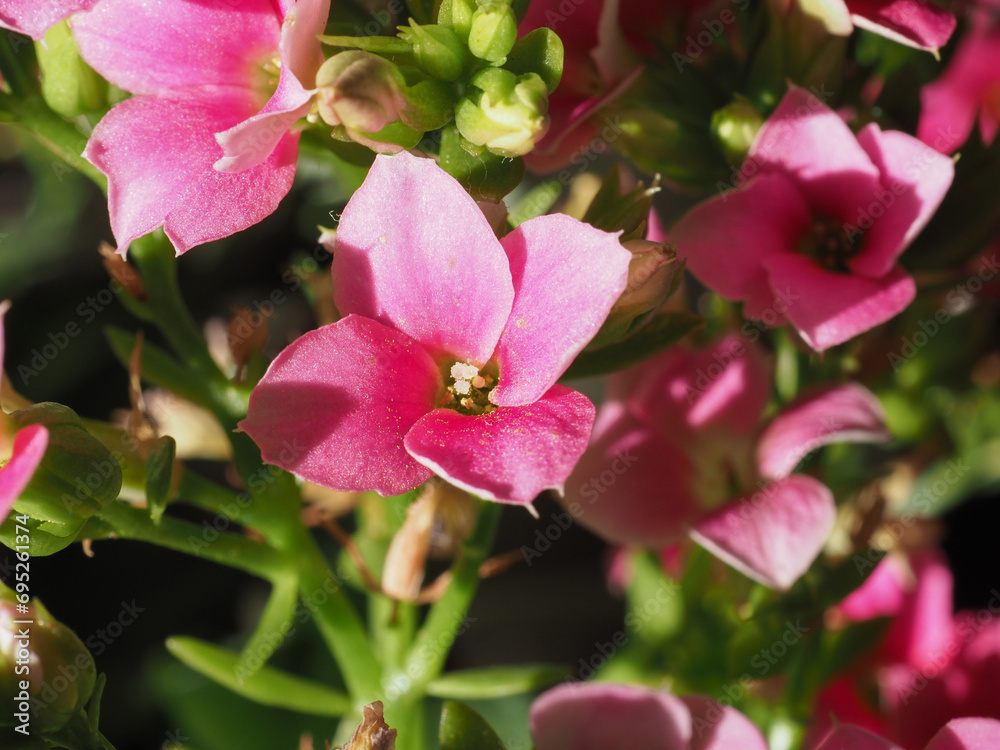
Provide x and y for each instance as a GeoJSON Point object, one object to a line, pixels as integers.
{"type": "Point", "coordinates": [916, 23]}
{"type": "Point", "coordinates": [511, 454]}
{"type": "Point", "coordinates": [831, 308]}
{"type": "Point", "coordinates": [440, 276]}
{"type": "Point", "coordinates": [29, 448]}
{"type": "Point", "coordinates": [250, 142]}
{"type": "Point", "coordinates": [35, 17]}
{"type": "Point", "coordinates": [599, 716]}
{"type": "Point", "coordinates": [773, 535]}
{"type": "Point", "coordinates": [915, 179]}
{"type": "Point", "coordinates": [967, 734]}
{"type": "Point", "coordinates": [846, 737]}
{"type": "Point", "coordinates": [718, 727]}
{"type": "Point", "coordinates": [726, 239]}
{"type": "Point", "coordinates": [810, 144]}
{"type": "Point", "coordinates": [335, 406]}
{"type": "Point", "coordinates": [152, 46]}
{"type": "Point", "coordinates": [158, 154]}
{"type": "Point", "coordinates": [617, 490]}
{"type": "Point", "coordinates": [566, 277]}
{"type": "Point", "coordinates": [849, 413]}
{"type": "Point", "coordinates": [883, 594]}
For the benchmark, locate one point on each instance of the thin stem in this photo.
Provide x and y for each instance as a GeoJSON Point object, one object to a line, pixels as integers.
{"type": "Point", "coordinates": [204, 541]}
{"type": "Point", "coordinates": [10, 66]}
{"type": "Point", "coordinates": [217, 499]}
{"type": "Point", "coordinates": [427, 656]}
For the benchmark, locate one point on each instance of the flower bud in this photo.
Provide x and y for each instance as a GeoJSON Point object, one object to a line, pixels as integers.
{"type": "Point", "coordinates": [372, 733]}
{"type": "Point", "coordinates": [374, 103]}
{"type": "Point", "coordinates": [493, 32]}
{"type": "Point", "coordinates": [505, 113]}
{"type": "Point", "coordinates": [650, 280]}
{"type": "Point", "coordinates": [45, 671]}
{"type": "Point", "coordinates": [734, 127]}
{"type": "Point", "coordinates": [457, 14]}
{"type": "Point", "coordinates": [77, 477]}
{"type": "Point", "coordinates": [438, 50]}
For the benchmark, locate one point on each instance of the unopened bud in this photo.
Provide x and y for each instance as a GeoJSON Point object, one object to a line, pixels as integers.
{"type": "Point", "coordinates": [734, 128]}
{"type": "Point", "coordinates": [505, 113]}
{"type": "Point", "coordinates": [493, 31]}
{"type": "Point", "coordinates": [650, 279]}
{"type": "Point", "coordinates": [438, 50]}
{"type": "Point", "coordinates": [458, 15]}
{"type": "Point", "coordinates": [44, 668]}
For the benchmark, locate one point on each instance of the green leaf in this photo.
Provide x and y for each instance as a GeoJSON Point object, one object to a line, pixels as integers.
{"type": "Point", "coordinates": [463, 729]}
{"type": "Point", "coordinates": [268, 686]}
{"type": "Point", "coordinates": [158, 367]}
{"type": "Point", "coordinates": [659, 333]}
{"type": "Point", "coordinates": [275, 622]}
{"type": "Point", "coordinates": [536, 202]}
{"type": "Point", "coordinates": [539, 52]}
{"type": "Point", "coordinates": [656, 604]}
{"type": "Point", "coordinates": [496, 682]}
{"type": "Point", "coordinates": [487, 177]}
{"type": "Point", "coordinates": [159, 476]}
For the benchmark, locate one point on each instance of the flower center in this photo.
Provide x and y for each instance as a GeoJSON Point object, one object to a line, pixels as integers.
{"type": "Point", "coordinates": [829, 245]}
{"type": "Point", "coordinates": [469, 392]}
{"type": "Point", "coordinates": [265, 78]}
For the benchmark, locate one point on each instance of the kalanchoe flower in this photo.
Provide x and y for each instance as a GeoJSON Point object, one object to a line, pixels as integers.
{"type": "Point", "coordinates": [20, 450]}
{"type": "Point", "coordinates": [813, 231]}
{"type": "Point", "coordinates": [696, 418]}
{"type": "Point", "coordinates": [604, 716]}
{"type": "Point", "coordinates": [970, 733]}
{"type": "Point", "coordinates": [969, 86]}
{"type": "Point", "coordinates": [35, 17]}
{"type": "Point", "coordinates": [205, 146]}
{"type": "Point", "coordinates": [915, 23]}
{"type": "Point", "coordinates": [447, 359]}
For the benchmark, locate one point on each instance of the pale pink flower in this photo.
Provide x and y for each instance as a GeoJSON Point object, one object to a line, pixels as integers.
{"type": "Point", "coordinates": [970, 733]}
{"type": "Point", "coordinates": [680, 450]}
{"type": "Point", "coordinates": [35, 17]}
{"type": "Point", "coordinates": [970, 86]}
{"type": "Point", "coordinates": [453, 340]}
{"type": "Point", "coordinates": [23, 450]}
{"type": "Point", "coordinates": [205, 148]}
{"type": "Point", "coordinates": [813, 232]}
{"type": "Point", "coordinates": [605, 716]}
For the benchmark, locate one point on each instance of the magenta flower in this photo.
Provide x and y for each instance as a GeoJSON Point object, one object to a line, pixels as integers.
{"type": "Point", "coordinates": [205, 147]}
{"type": "Point", "coordinates": [915, 23]}
{"type": "Point", "coordinates": [34, 17]}
{"type": "Point", "coordinates": [447, 359]}
{"type": "Point", "coordinates": [971, 733]}
{"type": "Point", "coordinates": [604, 716]}
{"type": "Point", "coordinates": [970, 86]}
{"type": "Point", "coordinates": [812, 234]}
{"type": "Point", "coordinates": [680, 450]}
{"type": "Point", "coordinates": [23, 453]}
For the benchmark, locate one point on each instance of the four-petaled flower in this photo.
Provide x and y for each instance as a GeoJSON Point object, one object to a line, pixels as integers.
{"type": "Point", "coordinates": [447, 358]}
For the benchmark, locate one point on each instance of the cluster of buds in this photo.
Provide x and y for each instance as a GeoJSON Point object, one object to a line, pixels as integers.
{"type": "Point", "coordinates": [388, 92]}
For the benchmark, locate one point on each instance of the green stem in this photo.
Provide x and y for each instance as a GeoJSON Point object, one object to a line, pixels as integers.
{"type": "Point", "coordinates": [427, 656]}
{"type": "Point", "coordinates": [223, 547]}
{"type": "Point", "coordinates": [11, 69]}
{"type": "Point", "coordinates": [60, 137]}
{"type": "Point", "coordinates": [218, 499]}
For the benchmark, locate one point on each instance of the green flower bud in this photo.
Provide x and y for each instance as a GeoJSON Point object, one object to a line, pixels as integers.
{"type": "Point", "coordinates": [69, 85]}
{"type": "Point", "coordinates": [493, 32]}
{"type": "Point", "coordinates": [457, 14]}
{"type": "Point", "coordinates": [77, 478]}
{"type": "Point", "coordinates": [438, 50]}
{"type": "Point", "coordinates": [734, 127]}
{"type": "Point", "coordinates": [374, 103]}
{"type": "Point", "coordinates": [45, 670]}
{"type": "Point", "coordinates": [503, 112]}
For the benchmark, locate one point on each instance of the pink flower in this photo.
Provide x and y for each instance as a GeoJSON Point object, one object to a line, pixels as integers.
{"type": "Point", "coordinates": [205, 146]}
{"type": "Point", "coordinates": [34, 17]}
{"type": "Point", "coordinates": [969, 86]}
{"type": "Point", "coordinates": [915, 23]}
{"type": "Point", "coordinates": [679, 449]}
{"type": "Point", "coordinates": [447, 359]}
{"type": "Point", "coordinates": [604, 716]}
{"type": "Point", "coordinates": [972, 733]}
{"type": "Point", "coordinates": [24, 452]}
{"type": "Point", "coordinates": [813, 232]}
